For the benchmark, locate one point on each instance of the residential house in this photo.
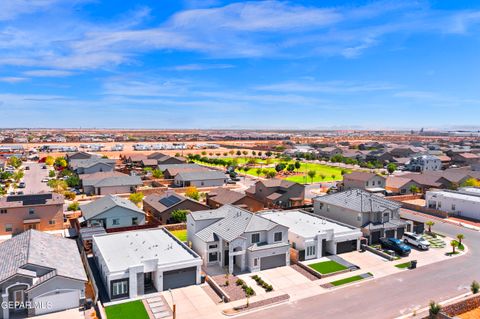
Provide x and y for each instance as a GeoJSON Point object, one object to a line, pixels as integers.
{"type": "Point", "coordinates": [464, 203]}
{"type": "Point", "coordinates": [43, 270]}
{"type": "Point", "coordinates": [376, 216]}
{"type": "Point", "coordinates": [235, 238]}
{"type": "Point", "coordinates": [328, 152]}
{"type": "Point", "coordinates": [104, 183]}
{"type": "Point", "coordinates": [171, 170]}
{"type": "Point", "coordinates": [445, 160]}
{"type": "Point", "coordinates": [208, 178]}
{"type": "Point", "coordinates": [315, 236]}
{"type": "Point", "coordinates": [80, 156]}
{"type": "Point", "coordinates": [398, 185]}
{"type": "Point", "coordinates": [92, 165]}
{"type": "Point", "coordinates": [111, 212]}
{"type": "Point", "coordinates": [136, 263]}
{"type": "Point", "coordinates": [163, 159]}
{"type": "Point", "coordinates": [424, 163]}
{"type": "Point", "coordinates": [465, 159]}
{"type": "Point", "coordinates": [403, 151]}
{"type": "Point", "coordinates": [161, 206]}
{"type": "Point", "coordinates": [278, 193]}
{"type": "Point", "coordinates": [19, 213]}
{"type": "Point", "coordinates": [224, 196]}
{"type": "Point", "coordinates": [370, 182]}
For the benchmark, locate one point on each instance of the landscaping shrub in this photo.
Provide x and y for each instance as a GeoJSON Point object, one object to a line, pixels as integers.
{"type": "Point", "coordinates": [475, 287]}
{"type": "Point", "coordinates": [239, 282]}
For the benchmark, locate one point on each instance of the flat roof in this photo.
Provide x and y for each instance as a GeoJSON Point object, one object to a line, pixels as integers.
{"type": "Point", "coordinates": [125, 249]}
{"type": "Point", "coordinates": [457, 195]}
{"type": "Point", "coordinates": [305, 224]}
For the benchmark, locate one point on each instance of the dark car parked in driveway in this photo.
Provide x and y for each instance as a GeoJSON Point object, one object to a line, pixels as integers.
{"type": "Point", "coordinates": [396, 245]}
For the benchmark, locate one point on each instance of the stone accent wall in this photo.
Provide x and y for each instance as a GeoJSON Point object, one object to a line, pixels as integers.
{"type": "Point", "coordinates": [462, 306]}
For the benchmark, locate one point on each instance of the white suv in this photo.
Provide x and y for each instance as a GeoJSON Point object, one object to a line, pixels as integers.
{"type": "Point", "coordinates": [416, 240]}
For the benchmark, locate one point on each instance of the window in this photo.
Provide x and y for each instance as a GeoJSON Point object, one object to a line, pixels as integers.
{"type": "Point", "coordinates": [311, 250]}
{"type": "Point", "coordinates": [366, 184]}
{"type": "Point", "coordinates": [453, 206]}
{"type": "Point", "coordinates": [134, 220]}
{"type": "Point", "coordinates": [31, 211]}
{"type": "Point", "coordinates": [212, 256]}
{"type": "Point", "coordinates": [255, 262]}
{"type": "Point", "coordinates": [213, 246]}
{"type": "Point", "coordinates": [115, 221]}
{"type": "Point", "coordinates": [120, 288]}
{"type": "Point", "coordinates": [3, 211]}
{"type": "Point", "coordinates": [8, 228]}
{"type": "Point", "coordinates": [277, 236]}
{"type": "Point", "coordinates": [255, 238]}
{"type": "Point", "coordinates": [51, 222]}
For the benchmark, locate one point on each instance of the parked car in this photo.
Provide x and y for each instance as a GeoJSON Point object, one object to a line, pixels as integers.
{"type": "Point", "coordinates": [396, 245]}
{"type": "Point", "coordinates": [21, 185]}
{"type": "Point", "coordinates": [416, 240]}
{"type": "Point", "coordinates": [44, 167]}
{"type": "Point", "coordinates": [27, 168]}
{"type": "Point", "coordinates": [229, 181]}
{"type": "Point", "coordinates": [45, 180]}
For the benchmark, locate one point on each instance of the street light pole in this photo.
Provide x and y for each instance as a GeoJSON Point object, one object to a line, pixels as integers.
{"type": "Point", "coordinates": [174, 307]}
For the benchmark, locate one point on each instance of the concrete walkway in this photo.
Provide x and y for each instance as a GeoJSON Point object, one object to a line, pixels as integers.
{"type": "Point", "coordinates": [157, 307]}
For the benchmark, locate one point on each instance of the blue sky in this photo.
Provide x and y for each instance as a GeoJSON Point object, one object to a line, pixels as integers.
{"type": "Point", "coordinates": [226, 64]}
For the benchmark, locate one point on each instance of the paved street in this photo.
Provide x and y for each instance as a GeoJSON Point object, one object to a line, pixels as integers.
{"type": "Point", "coordinates": [395, 295]}
{"type": "Point", "coordinates": [33, 178]}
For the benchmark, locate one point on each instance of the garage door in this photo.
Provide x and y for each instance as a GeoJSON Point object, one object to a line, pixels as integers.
{"type": "Point", "coordinates": [273, 261]}
{"type": "Point", "coordinates": [346, 246]}
{"type": "Point", "coordinates": [400, 232]}
{"type": "Point", "coordinates": [57, 302]}
{"type": "Point", "coordinates": [179, 278]}
{"type": "Point", "coordinates": [390, 233]}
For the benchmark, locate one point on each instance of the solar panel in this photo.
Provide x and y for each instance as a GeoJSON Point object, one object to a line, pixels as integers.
{"type": "Point", "coordinates": [34, 199]}
{"type": "Point", "coordinates": [169, 201]}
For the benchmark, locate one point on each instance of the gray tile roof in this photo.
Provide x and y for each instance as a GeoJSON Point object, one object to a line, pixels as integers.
{"type": "Point", "coordinates": [233, 223]}
{"type": "Point", "coordinates": [358, 200]}
{"type": "Point", "coordinates": [201, 175]}
{"type": "Point", "coordinates": [105, 203]}
{"type": "Point", "coordinates": [89, 162]}
{"type": "Point", "coordinates": [164, 167]}
{"type": "Point", "coordinates": [119, 181]}
{"type": "Point", "coordinates": [41, 249]}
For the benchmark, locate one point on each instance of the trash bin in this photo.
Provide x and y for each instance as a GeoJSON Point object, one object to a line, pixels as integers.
{"type": "Point", "coordinates": [413, 264]}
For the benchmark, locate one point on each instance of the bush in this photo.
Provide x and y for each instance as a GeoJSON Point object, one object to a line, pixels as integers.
{"type": "Point", "coordinates": [69, 195]}
{"type": "Point", "coordinates": [244, 286]}
{"type": "Point", "coordinates": [239, 282]}
{"type": "Point", "coordinates": [475, 287]}
{"type": "Point", "coordinates": [434, 308]}
{"type": "Point", "coordinates": [255, 277]}
{"type": "Point", "coordinates": [269, 288]}
{"type": "Point", "coordinates": [227, 283]}
{"type": "Point", "coordinates": [73, 206]}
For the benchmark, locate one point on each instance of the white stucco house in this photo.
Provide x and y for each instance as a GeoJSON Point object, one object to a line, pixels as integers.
{"type": "Point", "coordinates": [315, 236]}
{"type": "Point", "coordinates": [238, 240]}
{"type": "Point", "coordinates": [464, 202]}
{"type": "Point", "coordinates": [135, 263]}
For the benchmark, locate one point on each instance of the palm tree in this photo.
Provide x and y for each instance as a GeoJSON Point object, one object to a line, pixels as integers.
{"type": "Point", "coordinates": [460, 237]}
{"type": "Point", "coordinates": [454, 245]}
{"type": "Point", "coordinates": [430, 224]}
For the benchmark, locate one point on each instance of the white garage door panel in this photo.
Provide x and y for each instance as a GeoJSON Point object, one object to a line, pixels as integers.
{"type": "Point", "coordinates": [57, 302]}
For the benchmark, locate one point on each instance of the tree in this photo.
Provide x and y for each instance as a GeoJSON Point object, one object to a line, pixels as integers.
{"type": "Point", "coordinates": [179, 215]}
{"type": "Point", "coordinates": [333, 176]}
{"type": "Point", "coordinates": [322, 176]}
{"type": "Point", "coordinates": [279, 167]}
{"type": "Point", "coordinates": [239, 153]}
{"type": "Point", "coordinates": [343, 172]}
{"type": "Point", "coordinates": [192, 192]}
{"type": "Point", "coordinates": [297, 165]}
{"type": "Point", "coordinates": [475, 287]}
{"type": "Point", "coordinates": [49, 160]}
{"type": "Point", "coordinates": [245, 153]}
{"type": "Point", "coordinates": [231, 152]}
{"type": "Point", "coordinates": [312, 174]}
{"type": "Point", "coordinates": [291, 167]}
{"type": "Point", "coordinates": [51, 173]}
{"type": "Point", "coordinates": [414, 189]}
{"type": "Point", "coordinates": [204, 153]}
{"type": "Point", "coordinates": [136, 198]}
{"type": "Point", "coordinates": [60, 162]}
{"type": "Point", "coordinates": [177, 154]}
{"type": "Point", "coordinates": [271, 174]}
{"type": "Point", "coordinates": [430, 225]}
{"type": "Point", "coordinates": [73, 181]}
{"type": "Point", "coordinates": [17, 176]}
{"type": "Point", "coordinates": [471, 182]}
{"type": "Point", "coordinates": [460, 237]}
{"type": "Point", "coordinates": [254, 153]}
{"type": "Point", "coordinates": [14, 161]}
{"type": "Point", "coordinates": [69, 195]}
{"type": "Point", "coordinates": [391, 168]}
{"type": "Point", "coordinates": [58, 185]}
{"type": "Point", "coordinates": [157, 173]}
{"type": "Point", "coordinates": [268, 153]}
{"type": "Point", "coordinates": [259, 153]}
{"type": "Point", "coordinates": [259, 171]}
{"type": "Point", "coordinates": [454, 244]}
{"type": "Point", "coordinates": [73, 206]}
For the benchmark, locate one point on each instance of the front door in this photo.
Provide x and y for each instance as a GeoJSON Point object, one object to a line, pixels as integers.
{"type": "Point", "coordinates": [30, 226]}
{"type": "Point", "coordinates": [226, 257]}
{"type": "Point", "coordinates": [18, 298]}
{"type": "Point", "coordinates": [148, 278]}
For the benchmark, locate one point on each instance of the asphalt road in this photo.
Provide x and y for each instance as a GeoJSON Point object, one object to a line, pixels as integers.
{"type": "Point", "coordinates": [33, 179]}
{"type": "Point", "coordinates": [395, 295]}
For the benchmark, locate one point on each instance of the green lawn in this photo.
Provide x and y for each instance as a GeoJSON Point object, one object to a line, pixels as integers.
{"type": "Point", "coordinates": [346, 280]}
{"type": "Point", "coordinates": [180, 234]}
{"type": "Point", "coordinates": [404, 265]}
{"type": "Point", "coordinates": [327, 267]}
{"type": "Point", "coordinates": [130, 310]}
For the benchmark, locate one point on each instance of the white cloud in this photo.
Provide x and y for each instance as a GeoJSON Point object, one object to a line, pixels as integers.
{"type": "Point", "coordinates": [13, 79]}
{"type": "Point", "coordinates": [48, 73]}
{"type": "Point", "coordinates": [200, 67]}
{"type": "Point", "coordinates": [333, 87]}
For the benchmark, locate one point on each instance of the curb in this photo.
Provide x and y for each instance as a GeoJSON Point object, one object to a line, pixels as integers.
{"type": "Point", "coordinates": [241, 313]}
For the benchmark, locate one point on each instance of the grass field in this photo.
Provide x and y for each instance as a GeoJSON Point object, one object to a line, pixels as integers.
{"type": "Point", "coordinates": [324, 173]}
{"type": "Point", "coordinates": [404, 265]}
{"type": "Point", "coordinates": [130, 310]}
{"type": "Point", "coordinates": [327, 267]}
{"type": "Point", "coordinates": [180, 234]}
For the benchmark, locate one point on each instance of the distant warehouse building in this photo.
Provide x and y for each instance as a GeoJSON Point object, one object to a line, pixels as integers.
{"type": "Point", "coordinates": [465, 202]}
